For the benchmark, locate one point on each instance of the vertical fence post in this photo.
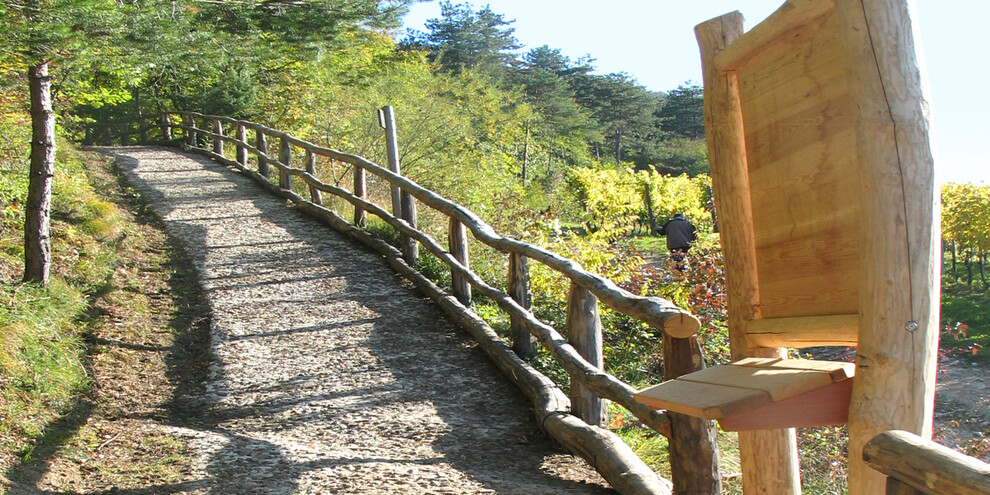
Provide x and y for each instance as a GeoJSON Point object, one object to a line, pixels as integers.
{"type": "Point", "coordinates": [142, 129]}
{"type": "Point", "coordinates": [217, 140]}
{"type": "Point", "coordinates": [386, 118]}
{"type": "Point", "coordinates": [241, 150]}
{"type": "Point", "coordinates": [584, 332]}
{"type": "Point", "coordinates": [314, 193]}
{"type": "Point", "coordinates": [523, 341]}
{"type": "Point", "coordinates": [166, 126]}
{"type": "Point", "coordinates": [284, 156]}
{"type": "Point", "coordinates": [410, 247]}
{"type": "Point", "coordinates": [360, 190]}
{"type": "Point", "coordinates": [403, 203]}
{"type": "Point", "coordinates": [263, 149]}
{"type": "Point", "coordinates": [190, 123]}
{"type": "Point", "coordinates": [693, 442]}
{"type": "Point", "coordinates": [458, 241]}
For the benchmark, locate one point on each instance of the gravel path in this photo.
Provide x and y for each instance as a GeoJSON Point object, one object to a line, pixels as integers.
{"type": "Point", "coordinates": [330, 374]}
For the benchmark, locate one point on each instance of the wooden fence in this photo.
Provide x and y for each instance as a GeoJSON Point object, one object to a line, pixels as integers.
{"type": "Point", "coordinates": [575, 422]}
{"type": "Point", "coordinates": [915, 466]}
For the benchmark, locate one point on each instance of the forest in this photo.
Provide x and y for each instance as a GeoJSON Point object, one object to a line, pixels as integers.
{"type": "Point", "coordinates": [542, 146]}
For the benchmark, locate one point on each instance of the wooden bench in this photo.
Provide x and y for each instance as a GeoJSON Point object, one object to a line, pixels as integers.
{"type": "Point", "coordinates": [760, 393]}
{"type": "Point", "coordinates": [823, 179]}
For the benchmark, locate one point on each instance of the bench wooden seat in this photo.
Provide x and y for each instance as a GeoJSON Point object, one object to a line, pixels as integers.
{"type": "Point", "coordinates": [760, 393]}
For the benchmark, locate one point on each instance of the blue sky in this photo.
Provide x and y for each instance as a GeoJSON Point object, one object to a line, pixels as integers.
{"type": "Point", "coordinates": [653, 41]}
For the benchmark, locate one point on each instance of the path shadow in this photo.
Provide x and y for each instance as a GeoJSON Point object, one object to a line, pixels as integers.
{"type": "Point", "coordinates": [401, 355]}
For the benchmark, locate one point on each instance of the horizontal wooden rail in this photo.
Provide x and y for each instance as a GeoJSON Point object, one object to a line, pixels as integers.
{"type": "Point", "coordinates": [655, 311]}
{"type": "Point", "coordinates": [584, 369]}
{"type": "Point", "coordinates": [916, 466]}
{"type": "Point", "coordinates": [550, 403]}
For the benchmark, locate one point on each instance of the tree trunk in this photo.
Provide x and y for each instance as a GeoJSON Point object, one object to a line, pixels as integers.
{"type": "Point", "coordinates": [969, 266]}
{"type": "Point", "coordinates": [549, 156]}
{"type": "Point", "coordinates": [983, 273]}
{"type": "Point", "coordinates": [648, 199]}
{"type": "Point", "coordinates": [525, 162]}
{"type": "Point", "coordinates": [955, 274]}
{"type": "Point", "coordinates": [37, 242]}
{"type": "Point", "coordinates": [618, 147]}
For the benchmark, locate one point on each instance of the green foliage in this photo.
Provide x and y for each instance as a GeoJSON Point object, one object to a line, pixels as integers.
{"type": "Point", "coordinates": [464, 39]}
{"type": "Point", "coordinates": [613, 198]}
{"type": "Point", "coordinates": [682, 112]}
{"type": "Point", "coordinates": [965, 210]}
{"type": "Point", "coordinates": [965, 319]}
{"type": "Point", "coordinates": [41, 329]}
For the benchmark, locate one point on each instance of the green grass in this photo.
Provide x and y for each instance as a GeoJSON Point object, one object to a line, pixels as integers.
{"type": "Point", "coordinates": [966, 313]}
{"type": "Point", "coordinates": [42, 352]}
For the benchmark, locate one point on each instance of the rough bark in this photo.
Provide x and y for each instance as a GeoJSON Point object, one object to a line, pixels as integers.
{"type": "Point", "coordinates": [37, 235]}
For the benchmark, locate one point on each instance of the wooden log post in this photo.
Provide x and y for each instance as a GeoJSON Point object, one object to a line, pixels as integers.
{"type": "Point", "coordinates": [314, 194]}
{"type": "Point", "coordinates": [360, 190]}
{"type": "Point", "coordinates": [523, 342]}
{"type": "Point", "coordinates": [262, 145]}
{"type": "Point", "coordinates": [584, 332]}
{"type": "Point", "coordinates": [241, 150]}
{"type": "Point", "coordinates": [410, 247]}
{"type": "Point", "coordinates": [142, 121]}
{"type": "Point", "coordinates": [166, 124]}
{"type": "Point", "coordinates": [217, 141]}
{"type": "Point", "coordinates": [386, 118]}
{"type": "Point", "coordinates": [458, 243]}
{"type": "Point", "coordinates": [768, 458]}
{"type": "Point", "coordinates": [403, 203]}
{"type": "Point", "coordinates": [693, 442]}
{"type": "Point", "coordinates": [919, 466]}
{"type": "Point", "coordinates": [899, 286]}
{"type": "Point", "coordinates": [284, 156]}
{"type": "Point", "coordinates": [190, 123]}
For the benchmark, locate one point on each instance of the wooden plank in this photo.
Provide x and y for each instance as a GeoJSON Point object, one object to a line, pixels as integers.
{"type": "Point", "coordinates": [838, 370]}
{"type": "Point", "coordinates": [703, 400]}
{"type": "Point", "coordinates": [779, 383]}
{"type": "Point", "coordinates": [791, 16]}
{"type": "Point", "coordinates": [823, 406]}
{"type": "Point", "coordinates": [805, 331]}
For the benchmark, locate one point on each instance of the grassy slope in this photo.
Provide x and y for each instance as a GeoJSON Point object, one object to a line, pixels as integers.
{"type": "Point", "coordinates": [86, 376]}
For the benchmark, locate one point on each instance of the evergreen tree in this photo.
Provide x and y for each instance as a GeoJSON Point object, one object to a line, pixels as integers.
{"type": "Point", "coordinates": [464, 39]}
{"type": "Point", "coordinates": [683, 112]}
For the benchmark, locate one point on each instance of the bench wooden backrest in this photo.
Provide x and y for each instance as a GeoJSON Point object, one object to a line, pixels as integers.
{"type": "Point", "coordinates": [799, 98]}
{"type": "Point", "coordinates": [817, 124]}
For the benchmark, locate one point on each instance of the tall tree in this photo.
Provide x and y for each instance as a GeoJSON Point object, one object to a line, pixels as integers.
{"type": "Point", "coordinates": [44, 33]}
{"type": "Point", "coordinates": [682, 113]}
{"type": "Point", "coordinates": [623, 107]}
{"type": "Point", "coordinates": [543, 74]}
{"type": "Point", "coordinates": [464, 39]}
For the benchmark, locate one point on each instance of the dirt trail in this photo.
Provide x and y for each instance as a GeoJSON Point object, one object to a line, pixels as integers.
{"type": "Point", "coordinates": [330, 374]}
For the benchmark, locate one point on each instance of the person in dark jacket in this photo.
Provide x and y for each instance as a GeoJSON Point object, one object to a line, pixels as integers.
{"type": "Point", "coordinates": [680, 235]}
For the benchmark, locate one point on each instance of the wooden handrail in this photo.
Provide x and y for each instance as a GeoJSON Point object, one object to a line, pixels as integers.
{"type": "Point", "coordinates": [655, 311]}
{"type": "Point", "coordinates": [918, 466]}
{"type": "Point", "coordinates": [583, 367]}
